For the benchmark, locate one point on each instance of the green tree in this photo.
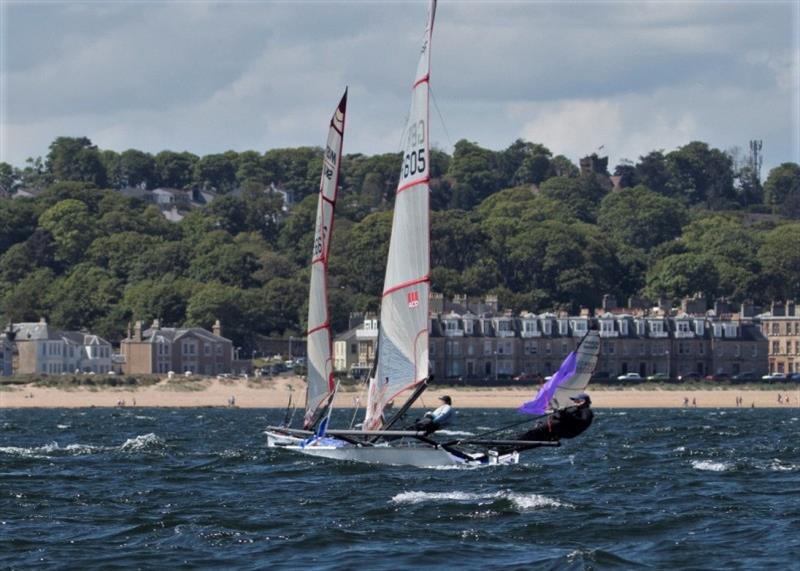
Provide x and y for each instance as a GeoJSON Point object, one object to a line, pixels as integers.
{"type": "Point", "coordinates": [137, 168]}
{"type": "Point", "coordinates": [120, 253]}
{"type": "Point", "coordinates": [175, 170]}
{"type": "Point", "coordinates": [8, 178]}
{"type": "Point", "coordinates": [780, 261]}
{"type": "Point", "coordinates": [733, 249]}
{"type": "Point", "coordinates": [782, 189]}
{"type": "Point", "coordinates": [700, 174]}
{"type": "Point", "coordinates": [77, 159]}
{"type": "Point", "coordinates": [18, 220]}
{"type": "Point", "coordinates": [640, 217]}
{"type": "Point", "coordinates": [164, 299]}
{"type": "Point", "coordinates": [27, 300]}
{"type": "Point", "coordinates": [70, 224]}
{"type": "Point", "coordinates": [652, 172]}
{"type": "Point", "coordinates": [476, 167]}
{"type": "Point", "coordinates": [682, 275]}
{"type": "Point", "coordinates": [216, 172]}
{"type": "Point", "coordinates": [82, 298]}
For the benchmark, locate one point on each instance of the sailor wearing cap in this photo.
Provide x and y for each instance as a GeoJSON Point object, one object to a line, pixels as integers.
{"type": "Point", "coordinates": [436, 419]}
{"type": "Point", "coordinates": [564, 423]}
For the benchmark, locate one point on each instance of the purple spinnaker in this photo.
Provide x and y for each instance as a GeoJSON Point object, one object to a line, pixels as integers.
{"type": "Point", "coordinates": [540, 403]}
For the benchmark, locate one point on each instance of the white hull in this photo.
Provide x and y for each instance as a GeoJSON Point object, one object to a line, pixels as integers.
{"type": "Point", "coordinates": [421, 457]}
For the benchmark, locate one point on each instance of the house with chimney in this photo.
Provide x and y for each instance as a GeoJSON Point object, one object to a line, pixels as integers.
{"type": "Point", "coordinates": [159, 350]}
{"type": "Point", "coordinates": [42, 348]}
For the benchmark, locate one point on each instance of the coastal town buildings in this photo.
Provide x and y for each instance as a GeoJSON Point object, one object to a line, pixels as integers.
{"type": "Point", "coordinates": [177, 349]}
{"type": "Point", "coordinates": [488, 344]}
{"type": "Point", "coordinates": [781, 326]}
{"type": "Point", "coordinates": [43, 349]}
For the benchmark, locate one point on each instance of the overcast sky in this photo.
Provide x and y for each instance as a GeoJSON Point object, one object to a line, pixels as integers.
{"type": "Point", "coordinates": [207, 77]}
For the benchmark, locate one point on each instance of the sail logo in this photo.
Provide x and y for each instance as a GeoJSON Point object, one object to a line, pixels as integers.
{"type": "Point", "coordinates": [413, 299]}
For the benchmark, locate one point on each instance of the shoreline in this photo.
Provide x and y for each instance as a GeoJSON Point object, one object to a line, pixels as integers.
{"type": "Point", "coordinates": [275, 393]}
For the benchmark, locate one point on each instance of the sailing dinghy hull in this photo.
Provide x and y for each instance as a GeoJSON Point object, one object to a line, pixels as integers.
{"type": "Point", "coordinates": [420, 457]}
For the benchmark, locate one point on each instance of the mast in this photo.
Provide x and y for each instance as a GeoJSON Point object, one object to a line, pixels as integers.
{"type": "Point", "coordinates": [319, 337]}
{"type": "Point", "coordinates": [403, 335]}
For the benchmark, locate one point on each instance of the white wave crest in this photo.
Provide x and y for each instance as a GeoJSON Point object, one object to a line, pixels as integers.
{"type": "Point", "coordinates": [710, 466]}
{"type": "Point", "coordinates": [63, 426]}
{"type": "Point", "coordinates": [522, 502]}
{"type": "Point", "coordinates": [49, 449]}
{"type": "Point", "coordinates": [142, 442]}
{"type": "Point", "coordinates": [778, 466]}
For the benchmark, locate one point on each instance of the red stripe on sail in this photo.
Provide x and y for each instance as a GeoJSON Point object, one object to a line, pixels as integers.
{"type": "Point", "coordinates": [424, 79]}
{"type": "Point", "coordinates": [325, 325]}
{"type": "Point", "coordinates": [410, 283]}
{"type": "Point", "coordinates": [413, 183]}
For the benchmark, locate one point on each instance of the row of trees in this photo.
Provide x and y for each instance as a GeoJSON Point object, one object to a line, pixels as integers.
{"type": "Point", "coordinates": [520, 223]}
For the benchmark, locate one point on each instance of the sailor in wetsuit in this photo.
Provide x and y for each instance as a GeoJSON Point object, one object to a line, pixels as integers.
{"type": "Point", "coordinates": [439, 418]}
{"type": "Point", "coordinates": [564, 423]}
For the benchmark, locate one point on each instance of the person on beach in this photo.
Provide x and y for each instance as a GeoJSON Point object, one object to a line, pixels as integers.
{"type": "Point", "coordinates": [436, 419]}
{"type": "Point", "coordinates": [564, 423]}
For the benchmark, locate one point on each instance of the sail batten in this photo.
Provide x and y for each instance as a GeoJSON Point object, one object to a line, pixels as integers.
{"type": "Point", "coordinates": [403, 339]}
{"type": "Point", "coordinates": [319, 337]}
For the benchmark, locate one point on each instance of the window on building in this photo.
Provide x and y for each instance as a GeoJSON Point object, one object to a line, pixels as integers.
{"type": "Point", "coordinates": [470, 349]}
{"type": "Point", "coordinates": [642, 349]}
{"type": "Point", "coordinates": [219, 349]}
{"type": "Point", "coordinates": [547, 348]}
{"type": "Point", "coordinates": [775, 328]}
{"type": "Point", "coordinates": [611, 348]}
{"type": "Point", "coordinates": [776, 347]}
{"type": "Point", "coordinates": [623, 326]}
{"type": "Point", "coordinates": [788, 329]}
{"type": "Point", "coordinates": [207, 348]}
{"type": "Point", "coordinates": [468, 325]}
{"type": "Point", "coordinates": [353, 348]}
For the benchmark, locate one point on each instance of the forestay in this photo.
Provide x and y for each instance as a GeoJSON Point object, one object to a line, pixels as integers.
{"type": "Point", "coordinates": [318, 338]}
{"type": "Point", "coordinates": [403, 338]}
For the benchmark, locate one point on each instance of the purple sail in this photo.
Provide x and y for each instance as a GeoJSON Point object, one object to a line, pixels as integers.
{"type": "Point", "coordinates": [539, 404]}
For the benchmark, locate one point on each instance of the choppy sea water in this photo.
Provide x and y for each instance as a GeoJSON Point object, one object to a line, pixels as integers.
{"type": "Point", "coordinates": [197, 488]}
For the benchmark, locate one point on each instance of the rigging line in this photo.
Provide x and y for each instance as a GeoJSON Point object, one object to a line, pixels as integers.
{"type": "Point", "coordinates": [502, 428]}
{"type": "Point", "coordinates": [441, 118]}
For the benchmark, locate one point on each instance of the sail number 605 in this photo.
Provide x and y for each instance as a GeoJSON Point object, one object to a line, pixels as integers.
{"type": "Point", "coordinates": [414, 163]}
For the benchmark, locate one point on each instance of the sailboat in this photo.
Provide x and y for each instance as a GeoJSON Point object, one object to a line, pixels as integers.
{"type": "Point", "coordinates": [321, 387]}
{"type": "Point", "coordinates": [402, 366]}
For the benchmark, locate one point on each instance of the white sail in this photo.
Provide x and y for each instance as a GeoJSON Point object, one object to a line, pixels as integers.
{"type": "Point", "coordinates": [319, 338]}
{"type": "Point", "coordinates": [585, 363]}
{"type": "Point", "coordinates": [403, 339]}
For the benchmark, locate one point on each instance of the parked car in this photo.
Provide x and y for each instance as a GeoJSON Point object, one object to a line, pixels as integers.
{"type": "Point", "coordinates": [795, 377]}
{"type": "Point", "coordinates": [658, 377]}
{"type": "Point", "coordinates": [774, 377]}
{"type": "Point", "coordinates": [689, 377]}
{"type": "Point", "coordinates": [746, 377]}
{"type": "Point", "coordinates": [630, 377]}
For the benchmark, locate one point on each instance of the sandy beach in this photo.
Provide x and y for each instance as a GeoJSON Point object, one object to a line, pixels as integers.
{"type": "Point", "coordinates": [274, 394]}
